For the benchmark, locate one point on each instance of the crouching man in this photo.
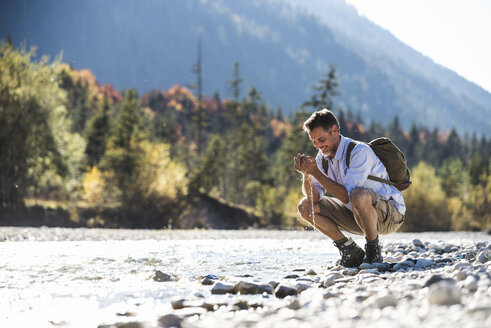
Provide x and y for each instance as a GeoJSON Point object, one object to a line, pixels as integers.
{"type": "Point", "coordinates": [358, 205]}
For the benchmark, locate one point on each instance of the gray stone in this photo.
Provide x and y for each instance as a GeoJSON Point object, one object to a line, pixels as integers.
{"type": "Point", "coordinates": [249, 288]}
{"type": "Point", "coordinates": [170, 320]}
{"type": "Point", "coordinates": [207, 282]}
{"type": "Point", "coordinates": [273, 284]}
{"type": "Point", "coordinates": [133, 324]}
{"type": "Point", "coordinates": [221, 288]}
{"type": "Point", "coordinates": [418, 243]}
{"type": "Point", "coordinates": [330, 295]}
{"type": "Point", "coordinates": [294, 305]}
{"type": "Point", "coordinates": [283, 291]}
{"type": "Point", "coordinates": [483, 257]}
{"type": "Point", "coordinates": [329, 280]}
{"type": "Point", "coordinates": [460, 275]}
{"type": "Point", "coordinates": [436, 279]}
{"type": "Point", "coordinates": [423, 263]}
{"type": "Point", "coordinates": [311, 272]}
{"type": "Point", "coordinates": [386, 300]}
{"type": "Point", "coordinates": [292, 276]}
{"type": "Point", "coordinates": [405, 265]}
{"type": "Point", "coordinates": [162, 277]}
{"type": "Point", "coordinates": [302, 287]}
{"type": "Point", "coordinates": [444, 293]}
{"type": "Point", "coordinates": [365, 266]}
{"type": "Point", "coordinates": [350, 271]}
{"type": "Point", "coordinates": [471, 283]}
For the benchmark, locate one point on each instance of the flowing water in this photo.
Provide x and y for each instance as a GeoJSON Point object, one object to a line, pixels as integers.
{"type": "Point", "coordinates": [312, 202]}
{"type": "Point", "coordinates": [88, 277]}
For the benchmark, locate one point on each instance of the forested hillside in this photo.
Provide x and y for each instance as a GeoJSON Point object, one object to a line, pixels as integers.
{"type": "Point", "coordinates": [76, 152]}
{"type": "Point", "coordinates": [282, 52]}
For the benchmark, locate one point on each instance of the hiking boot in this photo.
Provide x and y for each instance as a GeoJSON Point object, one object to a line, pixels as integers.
{"type": "Point", "coordinates": [373, 253]}
{"type": "Point", "coordinates": [351, 254]}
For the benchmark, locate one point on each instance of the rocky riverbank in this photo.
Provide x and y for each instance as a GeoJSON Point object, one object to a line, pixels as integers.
{"type": "Point", "coordinates": [420, 284]}
{"type": "Point", "coordinates": [151, 278]}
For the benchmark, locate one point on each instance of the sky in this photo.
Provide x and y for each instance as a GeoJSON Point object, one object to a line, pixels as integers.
{"type": "Point", "coordinates": [453, 33]}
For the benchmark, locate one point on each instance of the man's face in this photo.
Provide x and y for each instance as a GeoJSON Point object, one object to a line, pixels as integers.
{"type": "Point", "coordinates": [325, 141]}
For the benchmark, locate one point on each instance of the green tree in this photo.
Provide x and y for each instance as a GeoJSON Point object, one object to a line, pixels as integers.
{"type": "Point", "coordinates": [97, 134]}
{"type": "Point", "coordinates": [38, 151]}
{"type": "Point", "coordinates": [124, 147]}
{"type": "Point", "coordinates": [426, 202]}
{"type": "Point", "coordinates": [327, 88]}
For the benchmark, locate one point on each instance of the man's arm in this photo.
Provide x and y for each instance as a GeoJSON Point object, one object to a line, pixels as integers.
{"type": "Point", "coordinates": [309, 166]}
{"type": "Point", "coordinates": [308, 187]}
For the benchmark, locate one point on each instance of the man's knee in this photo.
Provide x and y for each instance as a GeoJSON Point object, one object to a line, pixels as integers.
{"type": "Point", "coordinates": [360, 197]}
{"type": "Point", "coordinates": [305, 209]}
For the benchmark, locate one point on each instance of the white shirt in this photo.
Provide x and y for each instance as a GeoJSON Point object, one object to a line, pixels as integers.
{"type": "Point", "coordinates": [363, 162]}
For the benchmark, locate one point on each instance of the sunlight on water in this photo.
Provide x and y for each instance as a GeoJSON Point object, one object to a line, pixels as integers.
{"type": "Point", "coordinates": [89, 282]}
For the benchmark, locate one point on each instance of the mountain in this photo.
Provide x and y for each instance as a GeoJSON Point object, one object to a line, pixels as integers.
{"type": "Point", "coordinates": [283, 46]}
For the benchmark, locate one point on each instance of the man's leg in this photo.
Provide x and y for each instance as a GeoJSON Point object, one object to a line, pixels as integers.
{"type": "Point", "coordinates": [367, 218]}
{"type": "Point", "coordinates": [364, 212]}
{"type": "Point", "coordinates": [322, 223]}
{"type": "Point", "coordinates": [351, 254]}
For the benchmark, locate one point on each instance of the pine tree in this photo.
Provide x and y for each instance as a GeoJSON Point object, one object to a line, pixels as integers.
{"type": "Point", "coordinates": [97, 134]}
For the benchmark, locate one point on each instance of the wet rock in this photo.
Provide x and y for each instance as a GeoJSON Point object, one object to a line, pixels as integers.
{"type": "Point", "coordinates": [170, 320]}
{"type": "Point", "coordinates": [283, 291]}
{"type": "Point", "coordinates": [273, 284]}
{"type": "Point", "coordinates": [444, 293]}
{"type": "Point", "coordinates": [298, 270]}
{"type": "Point", "coordinates": [162, 277]}
{"type": "Point", "coordinates": [329, 295]}
{"type": "Point", "coordinates": [221, 288]}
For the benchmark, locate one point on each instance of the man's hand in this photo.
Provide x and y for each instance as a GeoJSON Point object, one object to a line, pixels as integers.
{"type": "Point", "coordinates": [305, 164]}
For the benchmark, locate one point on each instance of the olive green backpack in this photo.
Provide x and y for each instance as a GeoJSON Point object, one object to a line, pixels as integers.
{"type": "Point", "coordinates": [392, 158]}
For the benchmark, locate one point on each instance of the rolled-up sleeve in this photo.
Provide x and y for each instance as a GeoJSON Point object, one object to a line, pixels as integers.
{"type": "Point", "coordinates": [361, 163]}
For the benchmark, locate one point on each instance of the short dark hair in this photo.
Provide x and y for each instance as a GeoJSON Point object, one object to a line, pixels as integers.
{"type": "Point", "coordinates": [324, 118]}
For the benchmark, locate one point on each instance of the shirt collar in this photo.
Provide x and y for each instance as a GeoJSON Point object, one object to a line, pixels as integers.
{"type": "Point", "coordinates": [340, 150]}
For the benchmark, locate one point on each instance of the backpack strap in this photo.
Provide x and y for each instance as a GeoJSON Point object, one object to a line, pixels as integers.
{"type": "Point", "coordinates": [352, 145]}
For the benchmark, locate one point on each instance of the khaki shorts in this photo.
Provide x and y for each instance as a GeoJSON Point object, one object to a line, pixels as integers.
{"type": "Point", "coordinates": [389, 219]}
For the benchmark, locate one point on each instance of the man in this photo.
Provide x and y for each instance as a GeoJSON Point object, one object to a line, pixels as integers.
{"type": "Point", "coordinates": [358, 205]}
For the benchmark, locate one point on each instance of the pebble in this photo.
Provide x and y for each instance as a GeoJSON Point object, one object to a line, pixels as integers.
{"type": "Point", "coordinates": [444, 293]}
{"type": "Point", "coordinates": [385, 300]}
{"type": "Point", "coordinates": [221, 288]}
{"type": "Point", "coordinates": [162, 277]}
{"type": "Point", "coordinates": [483, 257]}
{"type": "Point", "coordinates": [283, 291]}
